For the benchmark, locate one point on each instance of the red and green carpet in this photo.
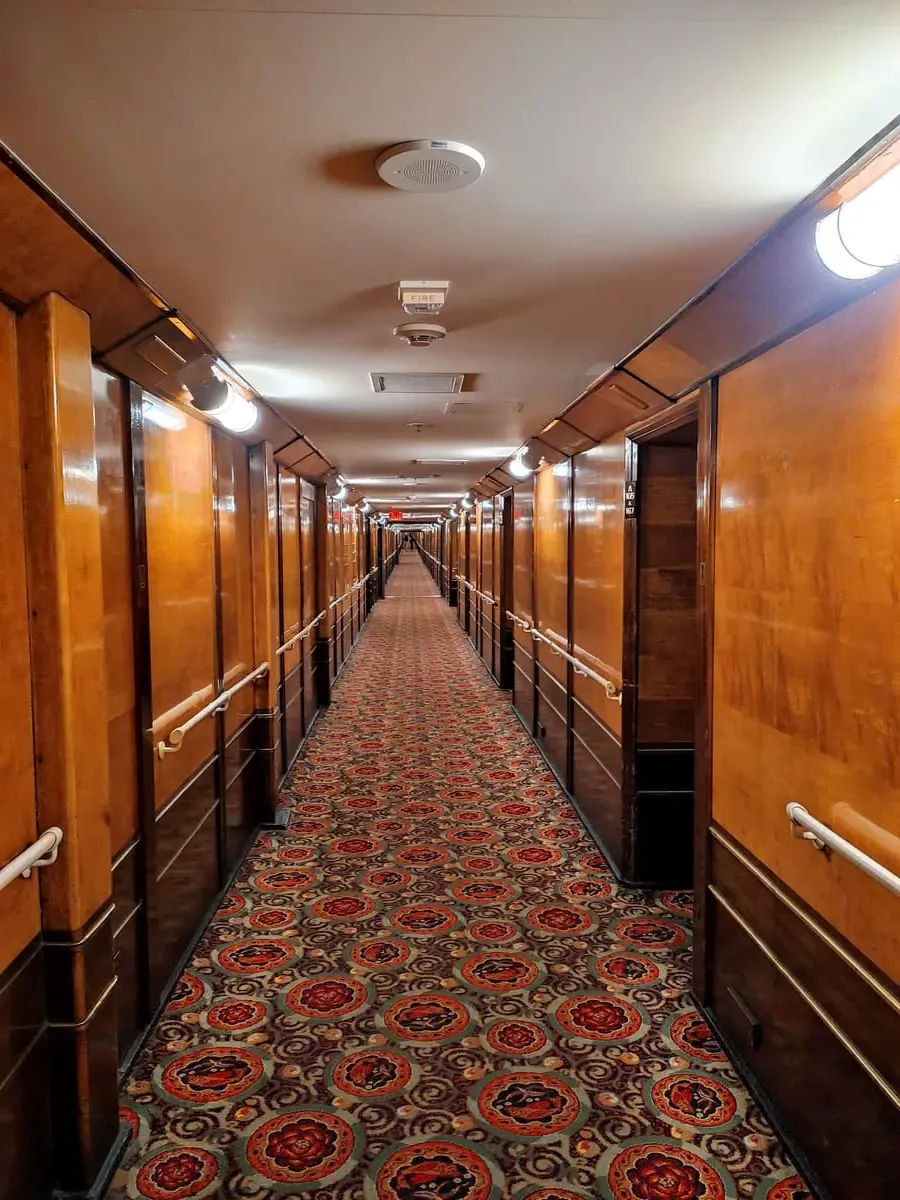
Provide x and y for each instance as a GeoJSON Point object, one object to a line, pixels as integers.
{"type": "Point", "coordinates": [430, 987]}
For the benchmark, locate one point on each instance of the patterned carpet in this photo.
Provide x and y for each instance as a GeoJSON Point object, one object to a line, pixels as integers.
{"type": "Point", "coordinates": [430, 987]}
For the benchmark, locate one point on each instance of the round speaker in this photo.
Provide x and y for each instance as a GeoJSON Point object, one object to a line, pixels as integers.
{"type": "Point", "coordinates": [430, 166]}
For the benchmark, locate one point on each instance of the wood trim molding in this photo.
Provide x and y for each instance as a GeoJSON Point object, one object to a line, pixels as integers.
{"type": "Point", "coordinates": [707, 502]}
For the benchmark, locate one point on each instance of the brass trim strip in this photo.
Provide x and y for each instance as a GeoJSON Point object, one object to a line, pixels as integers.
{"type": "Point", "coordinates": [51, 942]}
{"type": "Point", "coordinates": [104, 995]}
{"type": "Point", "coordinates": [884, 992]}
{"type": "Point", "coordinates": [871, 1070]}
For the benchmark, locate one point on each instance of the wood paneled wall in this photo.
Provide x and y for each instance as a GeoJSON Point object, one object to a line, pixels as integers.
{"type": "Point", "coordinates": [806, 702]}
{"type": "Point", "coordinates": [597, 613]}
{"type": "Point", "coordinates": [667, 633]}
{"type": "Point", "coordinates": [24, 1069]}
{"type": "Point", "coordinates": [181, 556]}
{"type": "Point", "coordinates": [552, 510]}
{"type": "Point", "coordinates": [597, 636]}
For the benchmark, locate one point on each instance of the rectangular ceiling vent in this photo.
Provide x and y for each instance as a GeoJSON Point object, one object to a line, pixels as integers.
{"type": "Point", "coordinates": [461, 407]}
{"type": "Point", "coordinates": [416, 384]}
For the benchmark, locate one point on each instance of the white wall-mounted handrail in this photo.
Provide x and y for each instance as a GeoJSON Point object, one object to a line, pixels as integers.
{"type": "Point", "coordinates": [173, 744]}
{"type": "Point", "coordinates": [304, 633]}
{"type": "Point", "coordinates": [486, 596]}
{"type": "Point", "coordinates": [824, 838]}
{"type": "Point", "coordinates": [612, 689]}
{"type": "Point", "coordinates": [520, 621]}
{"type": "Point", "coordinates": [41, 853]}
{"type": "Point", "coordinates": [354, 587]}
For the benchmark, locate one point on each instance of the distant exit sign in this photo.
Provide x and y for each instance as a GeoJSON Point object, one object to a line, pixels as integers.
{"type": "Point", "coordinates": [395, 515]}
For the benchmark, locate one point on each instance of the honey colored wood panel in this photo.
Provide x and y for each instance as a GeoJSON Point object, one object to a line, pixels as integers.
{"type": "Point", "coordinates": [806, 678]}
{"type": "Point", "coordinates": [112, 423]}
{"type": "Point", "coordinates": [235, 572]}
{"type": "Point", "coordinates": [551, 557]}
{"type": "Point", "coordinates": [264, 550]}
{"type": "Point", "coordinates": [487, 551]}
{"type": "Point", "coordinates": [20, 917]}
{"type": "Point", "coordinates": [348, 557]}
{"type": "Point", "coordinates": [472, 572]}
{"type": "Point", "coordinates": [65, 595]}
{"type": "Point", "coordinates": [597, 612]}
{"type": "Point", "coordinates": [667, 615]}
{"type": "Point", "coordinates": [289, 500]}
{"type": "Point", "coordinates": [180, 539]}
{"type": "Point", "coordinates": [308, 551]}
{"type": "Point", "coordinates": [523, 551]}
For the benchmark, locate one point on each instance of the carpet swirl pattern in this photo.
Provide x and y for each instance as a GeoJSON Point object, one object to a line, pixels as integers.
{"type": "Point", "coordinates": [430, 986]}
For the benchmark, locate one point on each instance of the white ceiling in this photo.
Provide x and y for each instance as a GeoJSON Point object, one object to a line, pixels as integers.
{"type": "Point", "coordinates": [634, 147]}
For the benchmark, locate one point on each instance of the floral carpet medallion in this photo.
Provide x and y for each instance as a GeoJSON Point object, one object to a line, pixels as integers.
{"type": "Point", "coordinates": [430, 986]}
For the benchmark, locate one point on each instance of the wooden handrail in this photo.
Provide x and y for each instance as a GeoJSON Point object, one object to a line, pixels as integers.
{"type": "Point", "coordinates": [176, 737]}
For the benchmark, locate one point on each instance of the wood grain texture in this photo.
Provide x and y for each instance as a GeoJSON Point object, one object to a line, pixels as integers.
{"type": "Point", "coordinates": [815, 1061]}
{"type": "Point", "coordinates": [180, 535]}
{"type": "Point", "coordinates": [807, 591]}
{"type": "Point", "coordinates": [308, 551]}
{"type": "Point", "coordinates": [65, 588]}
{"type": "Point", "coordinates": [668, 631]}
{"type": "Point", "coordinates": [232, 501]}
{"type": "Point", "coordinates": [111, 423]}
{"type": "Point", "coordinates": [597, 573]}
{"type": "Point", "coordinates": [20, 919]}
{"type": "Point", "coordinates": [264, 554]}
{"type": "Point", "coordinates": [551, 567]}
{"type": "Point", "coordinates": [289, 535]}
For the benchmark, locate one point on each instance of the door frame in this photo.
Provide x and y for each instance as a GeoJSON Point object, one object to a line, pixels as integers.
{"type": "Point", "coordinates": [678, 415]}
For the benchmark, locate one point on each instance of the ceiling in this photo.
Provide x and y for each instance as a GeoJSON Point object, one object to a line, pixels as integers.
{"type": "Point", "coordinates": [634, 148]}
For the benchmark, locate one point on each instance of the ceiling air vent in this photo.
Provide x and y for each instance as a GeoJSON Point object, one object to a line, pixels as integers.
{"type": "Point", "coordinates": [416, 383]}
{"type": "Point", "coordinates": [459, 407]}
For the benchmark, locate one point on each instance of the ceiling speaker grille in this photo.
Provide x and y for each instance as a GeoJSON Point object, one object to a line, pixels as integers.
{"type": "Point", "coordinates": [431, 172]}
{"type": "Point", "coordinates": [416, 383]}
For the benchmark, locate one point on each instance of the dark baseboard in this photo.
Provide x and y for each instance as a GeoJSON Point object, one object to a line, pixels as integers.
{"type": "Point", "coordinates": [751, 1083]}
{"type": "Point", "coordinates": [812, 1024]}
{"type": "Point", "coordinates": [588, 828]}
{"type": "Point", "coordinates": [141, 1040]}
{"type": "Point", "coordinates": [99, 1187]}
{"type": "Point", "coordinates": [277, 823]}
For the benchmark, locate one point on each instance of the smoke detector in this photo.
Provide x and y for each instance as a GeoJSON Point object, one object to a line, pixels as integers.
{"type": "Point", "coordinates": [422, 298]}
{"type": "Point", "coordinates": [419, 333]}
{"type": "Point", "coordinates": [430, 166]}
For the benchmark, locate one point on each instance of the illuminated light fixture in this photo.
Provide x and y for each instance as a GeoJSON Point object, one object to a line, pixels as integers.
{"type": "Point", "coordinates": [466, 503]}
{"type": "Point", "coordinates": [365, 507]}
{"type": "Point", "coordinates": [561, 470]}
{"type": "Point", "coordinates": [862, 236]}
{"type": "Point", "coordinates": [532, 454]}
{"type": "Point", "coordinates": [240, 415]}
{"type": "Point", "coordinates": [335, 487]}
{"type": "Point", "coordinates": [219, 398]}
{"type": "Point", "coordinates": [519, 469]}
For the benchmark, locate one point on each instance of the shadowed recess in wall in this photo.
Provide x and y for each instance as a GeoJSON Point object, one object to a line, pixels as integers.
{"type": "Point", "coordinates": [431, 985]}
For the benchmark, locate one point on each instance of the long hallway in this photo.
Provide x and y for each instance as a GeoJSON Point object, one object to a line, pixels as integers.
{"type": "Point", "coordinates": [430, 985]}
